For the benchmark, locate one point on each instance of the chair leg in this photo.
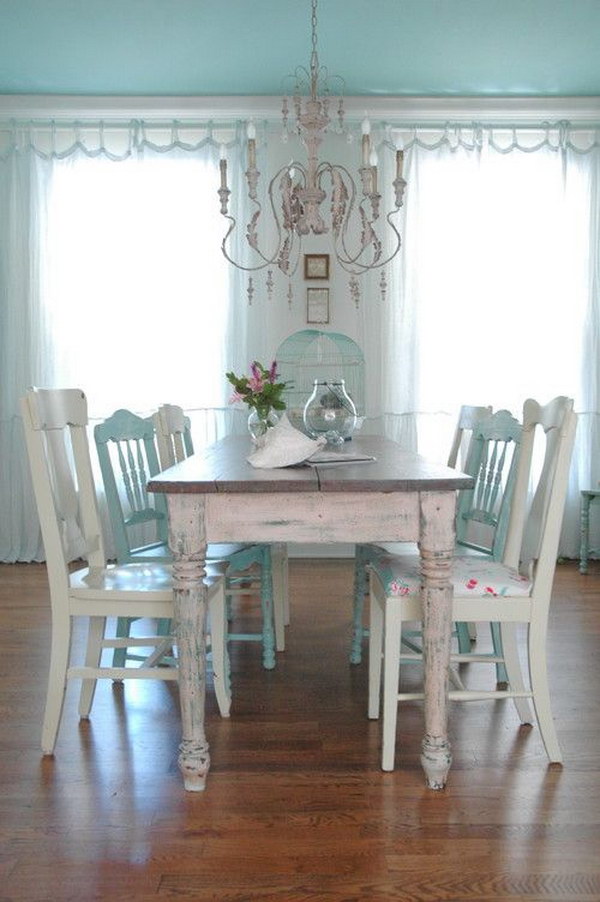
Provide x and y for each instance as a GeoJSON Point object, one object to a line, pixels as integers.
{"type": "Point", "coordinates": [538, 671]}
{"type": "Point", "coordinates": [501, 674]}
{"type": "Point", "coordinates": [281, 607]}
{"type": "Point", "coordinates": [96, 632]}
{"type": "Point", "coordinates": [375, 655]}
{"type": "Point", "coordinates": [123, 629]}
{"type": "Point", "coordinates": [266, 601]}
{"type": "Point", "coordinates": [220, 656]}
{"type": "Point", "coordinates": [360, 587]}
{"type": "Point", "coordinates": [514, 674]}
{"type": "Point", "coordinates": [455, 679]}
{"type": "Point", "coordinates": [584, 533]}
{"type": "Point", "coordinates": [57, 682]}
{"type": "Point", "coordinates": [391, 680]}
{"type": "Point", "coordinates": [464, 638]}
{"type": "Point", "coordinates": [286, 583]}
{"type": "Point", "coordinates": [165, 627]}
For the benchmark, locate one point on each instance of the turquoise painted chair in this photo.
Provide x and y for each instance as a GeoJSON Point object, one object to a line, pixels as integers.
{"type": "Point", "coordinates": [174, 441]}
{"type": "Point", "coordinates": [127, 454]}
{"type": "Point", "coordinates": [469, 416]}
{"type": "Point", "coordinates": [482, 512]}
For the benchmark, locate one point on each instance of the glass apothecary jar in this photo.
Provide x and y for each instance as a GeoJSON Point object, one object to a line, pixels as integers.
{"type": "Point", "coordinates": [330, 411]}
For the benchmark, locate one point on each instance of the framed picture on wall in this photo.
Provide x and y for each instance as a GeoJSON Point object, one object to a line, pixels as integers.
{"type": "Point", "coordinates": [316, 266]}
{"type": "Point", "coordinates": [317, 305]}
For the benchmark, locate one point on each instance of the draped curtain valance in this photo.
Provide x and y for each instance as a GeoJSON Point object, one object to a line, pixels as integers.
{"type": "Point", "coordinates": [118, 140]}
{"type": "Point", "coordinates": [58, 139]}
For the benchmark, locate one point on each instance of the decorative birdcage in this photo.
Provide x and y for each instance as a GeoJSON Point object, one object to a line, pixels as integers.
{"type": "Point", "coordinates": [327, 356]}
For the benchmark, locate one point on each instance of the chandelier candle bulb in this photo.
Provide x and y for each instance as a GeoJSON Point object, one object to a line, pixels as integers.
{"type": "Point", "coordinates": [373, 181]}
{"type": "Point", "coordinates": [223, 165]}
{"type": "Point", "coordinates": [366, 141]}
{"type": "Point", "coordinates": [251, 153]}
{"type": "Point", "coordinates": [251, 134]}
{"type": "Point", "coordinates": [399, 163]}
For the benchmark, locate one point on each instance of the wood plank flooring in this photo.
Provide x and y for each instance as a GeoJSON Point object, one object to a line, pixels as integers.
{"type": "Point", "coordinates": [296, 807]}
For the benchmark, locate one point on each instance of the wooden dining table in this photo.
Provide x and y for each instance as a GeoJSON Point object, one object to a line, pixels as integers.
{"type": "Point", "coordinates": [217, 496]}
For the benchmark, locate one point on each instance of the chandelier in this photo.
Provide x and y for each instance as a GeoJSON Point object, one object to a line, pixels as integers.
{"type": "Point", "coordinates": [297, 191]}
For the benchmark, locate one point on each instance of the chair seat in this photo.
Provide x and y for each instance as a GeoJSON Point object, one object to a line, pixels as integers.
{"type": "Point", "coordinates": [159, 551]}
{"type": "Point", "coordinates": [127, 578]}
{"type": "Point", "coordinates": [400, 575]}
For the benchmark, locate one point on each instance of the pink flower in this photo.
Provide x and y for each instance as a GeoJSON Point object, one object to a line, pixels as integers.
{"type": "Point", "coordinates": [235, 397]}
{"type": "Point", "coordinates": [489, 590]}
{"type": "Point", "coordinates": [255, 383]}
{"type": "Point", "coordinates": [398, 588]}
{"type": "Point", "coordinates": [471, 584]}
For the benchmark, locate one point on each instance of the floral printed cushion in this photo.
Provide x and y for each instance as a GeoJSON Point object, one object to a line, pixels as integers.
{"type": "Point", "coordinates": [476, 574]}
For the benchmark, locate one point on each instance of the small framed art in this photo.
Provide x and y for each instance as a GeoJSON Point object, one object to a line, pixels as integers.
{"type": "Point", "coordinates": [317, 305]}
{"type": "Point", "coordinates": [316, 266]}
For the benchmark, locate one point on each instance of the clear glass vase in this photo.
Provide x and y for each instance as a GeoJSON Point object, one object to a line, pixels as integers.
{"type": "Point", "coordinates": [330, 411]}
{"type": "Point", "coordinates": [260, 421]}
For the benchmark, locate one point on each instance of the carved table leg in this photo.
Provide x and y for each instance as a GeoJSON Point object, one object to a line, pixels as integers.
{"type": "Point", "coordinates": [187, 541]}
{"type": "Point", "coordinates": [436, 546]}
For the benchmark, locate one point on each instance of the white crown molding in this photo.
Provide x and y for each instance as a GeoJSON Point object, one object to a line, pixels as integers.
{"type": "Point", "coordinates": [396, 110]}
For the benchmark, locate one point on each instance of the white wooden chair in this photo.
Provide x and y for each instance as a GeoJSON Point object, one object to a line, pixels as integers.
{"type": "Point", "coordinates": [174, 440]}
{"type": "Point", "coordinates": [516, 590]}
{"type": "Point", "coordinates": [469, 416]}
{"type": "Point", "coordinates": [55, 424]}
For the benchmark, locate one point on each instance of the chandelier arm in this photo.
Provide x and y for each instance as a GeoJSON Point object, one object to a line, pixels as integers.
{"type": "Point", "coordinates": [351, 263]}
{"type": "Point", "coordinates": [350, 260]}
{"type": "Point", "coordinates": [330, 168]}
{"type": "Point", "coordinates": [229, 258]}
{"type": "Point", "coordinates": [340, 240]}
{"type": "Point", "coordinates": [281, 228]}
{"type": "Point", "coordinates": [267, 261]}
{"type": "Point", "coordinates": [361, 268]}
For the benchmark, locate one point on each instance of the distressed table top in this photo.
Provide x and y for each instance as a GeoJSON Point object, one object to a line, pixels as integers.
{"type": "Point", "coordinates": [222, 467]}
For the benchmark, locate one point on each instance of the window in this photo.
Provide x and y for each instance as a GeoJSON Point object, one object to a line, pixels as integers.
{"type": "Point", "coordinates": [137, 298]}
{"type": "Point", "coordinates": [499, 256]}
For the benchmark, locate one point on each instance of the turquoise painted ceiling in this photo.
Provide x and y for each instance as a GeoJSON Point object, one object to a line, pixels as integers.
{"type": "Point", "coordinates": [245, 47]}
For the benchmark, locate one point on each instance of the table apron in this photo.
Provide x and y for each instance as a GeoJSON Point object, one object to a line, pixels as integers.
{"type": "Point", "coordinates": [312, 517]}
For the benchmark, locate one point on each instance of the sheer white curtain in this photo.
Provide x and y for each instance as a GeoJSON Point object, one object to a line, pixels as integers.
{"type": "Point", "coordinates": [498, 292]}
{"type": "Point", "coordinates": [110, 282]}
{"type": "Point", "coordinates": [25, 354]}
{"type": "Point", "coordinates": [137, 298]}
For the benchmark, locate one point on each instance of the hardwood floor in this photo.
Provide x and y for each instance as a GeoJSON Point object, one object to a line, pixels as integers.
{"type": "Point", "coordinates": [296, 807]}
